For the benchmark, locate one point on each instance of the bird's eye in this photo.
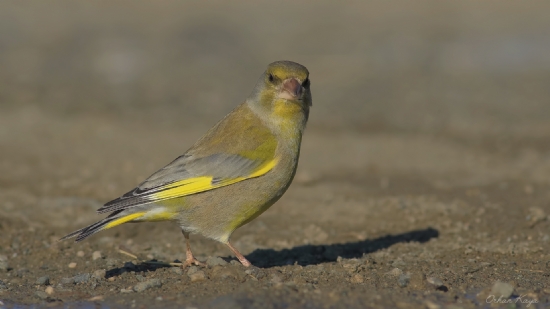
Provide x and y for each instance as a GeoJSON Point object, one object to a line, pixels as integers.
{"type": "Point", "coordinates": [305, 84]}
{"type": "Point", "coordinates": [271, 78]}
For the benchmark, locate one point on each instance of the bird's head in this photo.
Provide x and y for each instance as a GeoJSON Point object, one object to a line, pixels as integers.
{"type": "Point", "coordinates": [283, 91]}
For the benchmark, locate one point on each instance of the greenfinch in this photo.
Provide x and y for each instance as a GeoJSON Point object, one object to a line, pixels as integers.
{"type": "Point", "coordinates": [231, 175]}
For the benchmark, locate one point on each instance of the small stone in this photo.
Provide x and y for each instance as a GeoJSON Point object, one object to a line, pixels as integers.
{"type": "Point", "coordinates": [41, 294]}
{"type": "Point", "coordinates": [275, 279]}
{"type": "Point", "coordinates": [4, 266]}
{"type": "Point", "coordinates": [126, 290]}
{"type": "Point", "coordinates": [43, 280]}
{"type": "Point", "coordinates": [404, 280]}
{"type": "Point", "coordinates": [82, 278]}
{"type": "Point", "coordinates": [99, 274]}
{"type": "Point", "coordinates": [3, 286]}
{"type": "Point", "coordinates": [111, 263]}
{"type": "Point", "coordinates": [22, 272]}
{"type": "Point", "coordinates": [96, 255]}
{"type": "Point", "coordinates": [255, 272]}
{"type": "Point", "coordinates": [435, 281]}
{"type": "Point", "coordinates": [395, 272]}
{"type": "Point", "coordinates": [80, 253]}
{"type": "Point", "coordinates": [431, 305]}
{"type": "Point", "coordinates": [502, 289]}
{"type": "Point", "coordinates": [192, 269]}
{"type": "Point", "coordinates": [177, 270]}
{"type": "Point", "coordinates": [224, 272]}
{"type": "Point", "coordinates": [151, 283]}
{"type": "Point", "coordinates": [96, 298]}
{"type": "Point", "coordinates": [357, 278]}
{"type": "Point", "coordinates": [398, 263]}
{"type": "Point", "coordinates": [72, 265]}
{"type": "Point", "coordinates": [140, 278]}
{"type": "Point", "coordinates": [67, 280]}
{"type": "Point", "coordinates": [49, 290]}
{"type": "Point", "coordinates": [111, 279]}
{"type": "Point", "coordinates": [197, 276]}
{"type": "Point", "coordinates": [215, 261]}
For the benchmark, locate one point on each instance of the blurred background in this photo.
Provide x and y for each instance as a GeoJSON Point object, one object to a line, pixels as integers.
{"type": "Point", "coordinates": [95, 96]}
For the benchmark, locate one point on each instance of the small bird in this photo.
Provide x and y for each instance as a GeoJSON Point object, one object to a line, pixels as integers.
{"type": "Point", "coordinates": [231, 175]}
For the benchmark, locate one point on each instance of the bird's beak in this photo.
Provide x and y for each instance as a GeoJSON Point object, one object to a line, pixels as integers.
{"type": "Point", "coordinates": [291, 90]}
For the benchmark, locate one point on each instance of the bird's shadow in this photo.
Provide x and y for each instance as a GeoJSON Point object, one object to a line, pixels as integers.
{"type": "Point", "coordinates": [304, 255]}
{"type": "Point", "coordinates": [316, 254]}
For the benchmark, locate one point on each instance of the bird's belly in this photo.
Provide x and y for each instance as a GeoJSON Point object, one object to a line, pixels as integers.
{"type": "Point", "coordinates": [217, 213]}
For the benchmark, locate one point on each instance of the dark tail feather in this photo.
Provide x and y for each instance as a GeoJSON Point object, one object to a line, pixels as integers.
{"type": "Point", "coordinates": [89, 230]}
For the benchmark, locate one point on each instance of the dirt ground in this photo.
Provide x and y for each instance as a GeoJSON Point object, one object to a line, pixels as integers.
{"type": "Point", "coordinates": [424, 174]}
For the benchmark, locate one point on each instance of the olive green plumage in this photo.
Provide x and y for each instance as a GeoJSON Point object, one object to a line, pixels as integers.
{"type": "Point", "coordinates": [235, 172]}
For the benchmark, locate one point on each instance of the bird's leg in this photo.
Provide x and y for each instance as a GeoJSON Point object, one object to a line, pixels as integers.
{"type": "Point", "coordinates": [241, 257]}
{"type": "Point", "coordinates": [190, 259]}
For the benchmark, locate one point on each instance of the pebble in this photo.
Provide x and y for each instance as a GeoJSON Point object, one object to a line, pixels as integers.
{"type": "Point", "coordinates": [151, 283]}
{"type": "Point", "coordinates": [255, 272]}
{"type": "Point", "coordinates": [431, 305]}
{"type": "Point", "coordinates": [43, 280]}
{"type": "Point", "coordinates": [96, 255]}
{"type": "Point", "coordinates": [275, 279]}
{"type": "Point", "coordinates": [111, 262]}
{"type": "Point", "coordinates": [502, 289]}
{"type": "Point", "coordinates": [72, 265]}
{"type": "Point", "coordinates": [3, 286]}
{"type": "Point", "coordinates": [357, 278]}
{"type": "Point", "coordinates": [140, 278]}
{"type": "Point", "coordinates": [398, 263]}
{"type": "Point", "coordinates": [192, 269]}
{"type": "Point", "coordinates": [67, 280]}
{"type": "Point", "coordinates": [80, 253]}
{"type": "Point", "coordinates": [395, 272]}
{"type": "Point", "coordinates": [435, 281]}
{"type": "Point", "coordinates": [49, 290]}
{"type": "Point", "coordinates": [4, 266]}
{"type": "Point", "coordinates": [81, 278]}
{"type": "Point", "coordinates": [99, 274]}
{"type": "Point", "coordinates": [404, 280]}
{"type": "Point", "coordinates": [126, 290]}
{"type": "Point", "coordinates": [41, 294]}
{"type": "Point", "coordinates": [96, 298]}
{"type": "Point", "coordinates": [215, 261]}
{"type": "Point", "coordinates": [225, 272]}
{"type": "Point", "coordinates": [197, 276]}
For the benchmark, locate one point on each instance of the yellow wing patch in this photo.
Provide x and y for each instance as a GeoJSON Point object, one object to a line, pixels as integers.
{"type": "Point", "coordinates": [204, 183]}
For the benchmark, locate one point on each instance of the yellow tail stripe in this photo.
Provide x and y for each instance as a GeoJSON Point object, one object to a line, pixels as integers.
{"type": "Point", "coordinates": [124, 219]}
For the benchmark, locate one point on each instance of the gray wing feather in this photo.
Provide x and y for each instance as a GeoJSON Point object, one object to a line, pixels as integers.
{"type": "Point", "coordinates": [219, 166]}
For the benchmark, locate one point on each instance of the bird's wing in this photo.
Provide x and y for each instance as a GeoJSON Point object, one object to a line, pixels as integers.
{"type": "Point", "coordinates": [189, 175]}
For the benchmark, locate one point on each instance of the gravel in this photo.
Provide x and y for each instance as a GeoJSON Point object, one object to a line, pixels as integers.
{"type": "Point", "coordinates": [151, 283]}
{"type": "Point", "coordinates": [4, 266]}
{"type": "Point", "coordinates": [404, 280]}
{"type": "Point", "coordinates": [43, 280]}
{"type": "Point", "coordinates": [81, 278]}
{"type": "Point", "coordinates": [67, 280]}
{"type": "Point", "coordinates": [215, 261]}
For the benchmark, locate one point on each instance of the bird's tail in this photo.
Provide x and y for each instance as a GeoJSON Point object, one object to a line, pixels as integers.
{"type": "Point", "coordinates": [111, 221]}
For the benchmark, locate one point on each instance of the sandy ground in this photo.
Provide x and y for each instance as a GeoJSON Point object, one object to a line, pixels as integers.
{"type": "Point", "coordinates": [423, 181]}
